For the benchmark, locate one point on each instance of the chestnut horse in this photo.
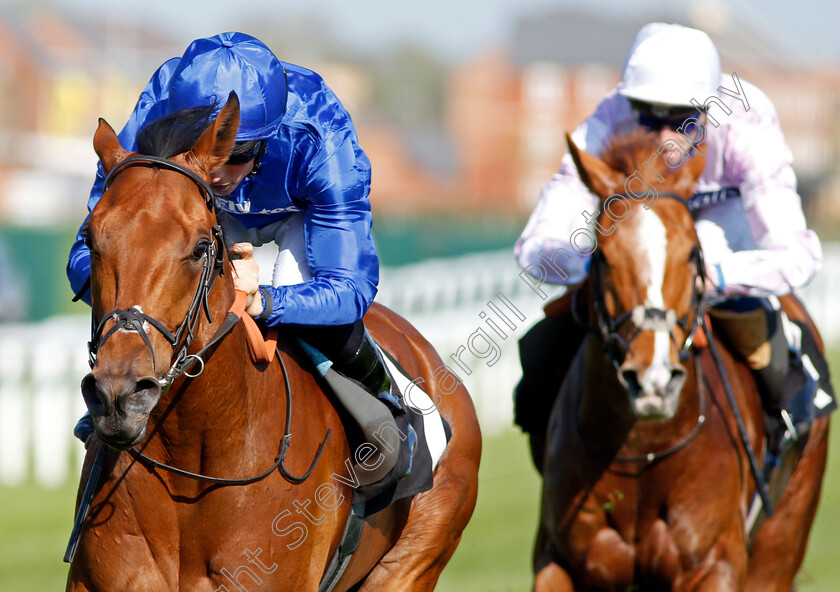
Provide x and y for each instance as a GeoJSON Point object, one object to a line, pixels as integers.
{"type": "Point", "coordinates": [646, 481]}
{"type": "Point", "coordinates": [158, 264]}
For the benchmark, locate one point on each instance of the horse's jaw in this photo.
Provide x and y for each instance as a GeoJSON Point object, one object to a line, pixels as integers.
{"type": "Point", "coordinates": [117, 439]}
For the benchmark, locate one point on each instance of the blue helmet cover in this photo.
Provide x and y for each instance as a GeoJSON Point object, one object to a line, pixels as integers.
{"type": "Point", "coordinates": [212, 67]}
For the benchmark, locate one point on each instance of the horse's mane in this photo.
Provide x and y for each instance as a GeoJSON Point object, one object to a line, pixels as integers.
{"type": "Point", "coordinates": [174, 133]}
{"type": "Point", "coordinates": [626, 152]}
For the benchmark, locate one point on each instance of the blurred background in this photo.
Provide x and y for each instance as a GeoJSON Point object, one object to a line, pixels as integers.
{"type": "Point", "coordinates": [461, 107]}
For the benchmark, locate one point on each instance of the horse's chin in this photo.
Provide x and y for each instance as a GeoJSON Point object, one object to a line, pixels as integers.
{"type": "Point", "coordinates": [119, 436]}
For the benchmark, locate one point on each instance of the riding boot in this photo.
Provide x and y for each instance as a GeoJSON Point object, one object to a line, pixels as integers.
{"type": "Point", "coordinates": [84, 428]}
{"type": "Point", "coordinates": [367, 367]}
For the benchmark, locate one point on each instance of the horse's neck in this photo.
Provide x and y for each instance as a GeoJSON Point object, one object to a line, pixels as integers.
{"type": "Point", "coordinates": [606, 418]}
{"type": "Point", "coordinates": [231, 395]}
{"type": "Point", "coordinates": [604, 408]}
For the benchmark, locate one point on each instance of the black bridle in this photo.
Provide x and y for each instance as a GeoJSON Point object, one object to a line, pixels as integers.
{"type": "Point", "coordinates": [646, 318]}
{"type": "Point", "coordinates": [654, 319]}
{"type": "Point", "coordinates": [133, 319]}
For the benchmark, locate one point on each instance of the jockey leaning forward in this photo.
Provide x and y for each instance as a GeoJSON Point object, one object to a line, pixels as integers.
{"type": "Point", "coordinates": [748, 218]}
{"type": "Point", "coordinates": [297, 176]}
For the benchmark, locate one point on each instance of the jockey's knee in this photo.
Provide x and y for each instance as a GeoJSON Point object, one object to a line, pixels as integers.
{"type": "Point", "coordinates": [339, 343]}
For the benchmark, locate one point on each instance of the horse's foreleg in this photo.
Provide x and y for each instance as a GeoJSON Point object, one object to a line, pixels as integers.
{"type": "Point", "coordinates": [720, 578]}
{"type": "Point", "coordinates": [780, 545]}
{"type": "Point", "coordinates": [548, 575]}
{"type": "Point", "coordinates": [724, 567]}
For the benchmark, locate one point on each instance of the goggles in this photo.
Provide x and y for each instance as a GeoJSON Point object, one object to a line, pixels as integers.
{"type": "Point", "coordinates": [655, 117]}
{"type": "Point", "coordinates": [238, 156]}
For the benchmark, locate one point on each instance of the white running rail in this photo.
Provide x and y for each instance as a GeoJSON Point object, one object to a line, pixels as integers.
{"type": "Point", "coordinates": [473, 307]}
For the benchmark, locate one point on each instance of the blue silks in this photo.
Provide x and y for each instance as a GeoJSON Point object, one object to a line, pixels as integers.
{"type": "Point", "coordinates": [313, 164]}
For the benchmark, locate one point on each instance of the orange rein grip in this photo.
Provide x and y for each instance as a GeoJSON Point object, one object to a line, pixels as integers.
{"type": "Point", "coordinates": [262, 348]}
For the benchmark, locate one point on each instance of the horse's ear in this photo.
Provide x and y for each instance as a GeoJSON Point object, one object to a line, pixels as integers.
{"type": "Point", "coordinates": [216, 143]}
{"type": "Point", "coordinates": [688, 174]}
{"type": "Point", "coordinates": [598, 177]}
{"type": "Point", "coordinates": [107, 146]}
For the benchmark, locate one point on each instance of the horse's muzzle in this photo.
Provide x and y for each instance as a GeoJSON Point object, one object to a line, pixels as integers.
{"type": "Point", "coordinates": [120, 406]}
{"type": "Point", "coordinates": [657, 394]}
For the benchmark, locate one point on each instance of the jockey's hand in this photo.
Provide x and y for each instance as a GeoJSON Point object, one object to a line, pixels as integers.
{"type": "Point", "coordinates": [246, 276]}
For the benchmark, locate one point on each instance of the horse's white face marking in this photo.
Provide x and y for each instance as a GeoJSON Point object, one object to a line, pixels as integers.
{"type": "Point", "coordinates": [652, 239]}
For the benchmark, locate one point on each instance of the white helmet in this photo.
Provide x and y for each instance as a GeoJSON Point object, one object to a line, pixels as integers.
{"type": "Point", "coordinates": [670, 65]}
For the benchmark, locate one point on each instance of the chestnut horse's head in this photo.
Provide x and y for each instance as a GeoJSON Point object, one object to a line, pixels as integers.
{"type": "Point", "coordinates": [647, 271]}
{"type": "Point", "coordinates": [155, 252]}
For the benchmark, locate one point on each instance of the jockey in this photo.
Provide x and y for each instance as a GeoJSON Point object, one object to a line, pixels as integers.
{"type": "Point", "coordinates": [297, 176]}
{"type": "Point", "coordinates": [748, 217]}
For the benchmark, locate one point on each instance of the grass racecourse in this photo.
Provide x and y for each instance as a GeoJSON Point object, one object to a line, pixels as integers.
{"type": "Point", "coordinates": [494, 555]}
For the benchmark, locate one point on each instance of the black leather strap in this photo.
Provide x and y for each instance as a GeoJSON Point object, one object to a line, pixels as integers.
{"type": "Point", "coordinates": [151, 161]}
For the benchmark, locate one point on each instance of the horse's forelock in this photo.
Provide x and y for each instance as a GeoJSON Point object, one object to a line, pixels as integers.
{"type": "Point", "coordinates": [627, 153]}
{"type": "Point", "coordinates": [174, 133]}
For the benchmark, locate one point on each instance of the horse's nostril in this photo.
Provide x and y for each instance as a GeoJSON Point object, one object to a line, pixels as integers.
{"type": "Point", "coordinates": [631, 380]}
{"type": "Point", "coordinates": [146, 384]}
{"type": "Point", "coordinates": [677, 381]}
{"type": "Point", "coordinates": [93, 395]}
{"type": "Point", "coordinates": [141, 397]}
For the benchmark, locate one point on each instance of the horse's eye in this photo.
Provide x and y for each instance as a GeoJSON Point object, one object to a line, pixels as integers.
{"type": "Point", "coordinates": [87, 240]}
{"type": "Point", "coordinates": [200, 250]}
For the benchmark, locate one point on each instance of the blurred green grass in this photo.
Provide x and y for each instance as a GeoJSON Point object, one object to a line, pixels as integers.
{"type": "Point", "coordinates": [494, 554]}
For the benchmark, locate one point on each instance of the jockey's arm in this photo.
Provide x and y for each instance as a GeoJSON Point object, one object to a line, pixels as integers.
{"type": "Point", "coordinates": [339, 248]}
{"type": "Point", "coordinates": [544, 249]}
{"type": "Point", "coordinates": [787, 254]}
{"type": "Point", "coordinates": [149, 106]}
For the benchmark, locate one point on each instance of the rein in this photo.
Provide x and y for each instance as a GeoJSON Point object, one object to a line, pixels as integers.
{"type": "Point", "coordinates": [760, 482]}
{"type": "Point", "coordinates": [279, 460]}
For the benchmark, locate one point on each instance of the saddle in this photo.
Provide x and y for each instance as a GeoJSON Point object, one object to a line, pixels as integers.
{"type": "Point", "coordinates": [408, 435]}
